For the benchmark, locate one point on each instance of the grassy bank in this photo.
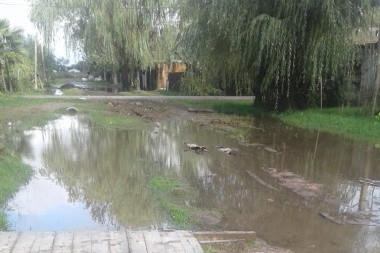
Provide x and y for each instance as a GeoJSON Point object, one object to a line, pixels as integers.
{"type": "Point", "coordinates": [349, 122]}
{"type": "Point", "coordinates": [13, 173]}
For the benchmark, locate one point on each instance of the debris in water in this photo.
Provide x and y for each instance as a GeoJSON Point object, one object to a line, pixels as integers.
{"type": "Point", "coordinates": [195, 147]}
{"type": "Point", "coordinates": [228, 151]}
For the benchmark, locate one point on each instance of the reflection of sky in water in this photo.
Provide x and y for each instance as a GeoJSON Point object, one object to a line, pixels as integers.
{"type": "Point", "coordinates": [220, 182]}
{"type": "Point", "coordinates": [43, 204]}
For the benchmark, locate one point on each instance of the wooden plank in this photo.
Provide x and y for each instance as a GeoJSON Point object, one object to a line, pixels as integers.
{"type": "Point", "coordinates": [189, 243]}
{"type": "Point", "coordinates": [172, 242]}
{"type": "Point", "coordinates": [7, 240]}
{"type": "Point", "coordinates": [136, 242]}
{"type": "Point", "coordinates": [118, 241]}
{"type": "Point", "coordinates": [24, 243]}
{"type": "Point", "coordinates": [63, 242]}
{"type": "Point", "coordinates": [100, 242]}
{"type": "Point", "coordinates": [43, 243]}
{"type": "Point", "coordinates": [153, 241]}
{"type": "Point", "coordinates": [82, 242]}
{"type": "Point", "coordinates": [225, 235]}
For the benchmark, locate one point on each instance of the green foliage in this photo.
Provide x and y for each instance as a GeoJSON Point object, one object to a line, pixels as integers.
{"type": "Point", "coordinates": [125, 36]}
{"type": "Point", "coordinates": [284, 51]}
{"type": "Point", "coordinates": [193, 85]}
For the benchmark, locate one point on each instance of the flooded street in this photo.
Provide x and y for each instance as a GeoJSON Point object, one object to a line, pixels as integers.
{"type": "Point", "coordinates": [91, 178]}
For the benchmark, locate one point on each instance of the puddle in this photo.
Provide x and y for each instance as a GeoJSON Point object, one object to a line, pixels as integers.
{"type": "Point", "coordinates": [91, 178]}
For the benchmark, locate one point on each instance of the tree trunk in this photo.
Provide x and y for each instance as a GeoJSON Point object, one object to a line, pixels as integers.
{"type": "Point", "coordinates": [43, 63]}
{"type": "Point", "coordinates": [4, 81]}
{"type": "Point", "coordinates": [35, 65]}
{"type": "Point", "coordinates": [377, 80]}
{"type": "Point", "coordinates": [8, 78]}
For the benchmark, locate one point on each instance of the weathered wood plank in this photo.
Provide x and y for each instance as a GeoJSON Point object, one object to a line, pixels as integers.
{"type": "Point", "coordinates": [153, 241]}
{"type": "Point", "coordinates": [43, 243]}
{"type": "Point", "coordinates": [82, 242]}
{"type": "Point", "coordinates": [189, 243]}
{"type": "Point", "coordinates": [7, 240]}
{"type": "Point", "coordinates": [63, 242]}
{"type": "Point", "coordinates": [172, 242]}
{"type": "Point", "coordinates": [118, 241]}
{"type": "Point", "coordinates": [136, 242]}
{"type": "Point", "coordinates": [100, 242]}
{"type": "Point", "coordinates": [24, 243]}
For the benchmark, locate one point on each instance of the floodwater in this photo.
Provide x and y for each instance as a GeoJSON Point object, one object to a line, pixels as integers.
{"type": "Point", "coordinates": [91, 178]}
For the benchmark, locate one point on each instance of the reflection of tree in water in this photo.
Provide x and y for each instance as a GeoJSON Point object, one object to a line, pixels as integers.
{"type": "Point", "coordinates": [103, 170]}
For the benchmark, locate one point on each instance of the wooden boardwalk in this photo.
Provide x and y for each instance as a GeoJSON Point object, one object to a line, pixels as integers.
{"type": "Point", "coordinates": [100, 241]}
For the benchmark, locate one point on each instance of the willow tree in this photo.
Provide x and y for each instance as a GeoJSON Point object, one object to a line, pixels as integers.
{"type": "Point", "coordinates": [291, 53]}
{"type": "Point", "coordinates": [128, 35]}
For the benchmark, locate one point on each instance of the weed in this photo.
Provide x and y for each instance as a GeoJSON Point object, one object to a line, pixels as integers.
{"type": "Point", "coordinates": [163, 184]}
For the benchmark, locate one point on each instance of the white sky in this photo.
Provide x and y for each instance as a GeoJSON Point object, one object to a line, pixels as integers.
{"type": "Point", "coordinates": [17, 12]}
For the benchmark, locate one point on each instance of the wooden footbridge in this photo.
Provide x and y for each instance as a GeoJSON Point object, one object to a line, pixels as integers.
{"type": "Point", "coordinates": [99, 241]}
{"type": "Point", "coordinates": [123, 241]}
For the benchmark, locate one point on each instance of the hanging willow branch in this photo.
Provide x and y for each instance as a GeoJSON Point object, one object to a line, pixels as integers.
{"type": "Point", "coordinates": [125, 34]}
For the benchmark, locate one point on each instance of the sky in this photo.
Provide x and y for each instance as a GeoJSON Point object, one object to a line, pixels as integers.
{"type": "Point", "coordinates": [17, 12]}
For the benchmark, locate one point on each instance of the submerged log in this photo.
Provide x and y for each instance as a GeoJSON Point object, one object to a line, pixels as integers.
{"type": "Point", "coordinates": [295, 183]}
{"type": "Point", "coordinates": [260, 181]}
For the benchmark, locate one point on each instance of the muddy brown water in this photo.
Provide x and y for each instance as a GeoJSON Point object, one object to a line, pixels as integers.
{"type": "Point", "coordinates": [91, 178]}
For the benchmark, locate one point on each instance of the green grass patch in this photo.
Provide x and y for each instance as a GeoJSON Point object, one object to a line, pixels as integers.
{"type": "Point", "coordinates": [179, 216]}
{"type": "Point", "coordinates": [163, 184]}
{"type": "Point", "coordinates": [104, 118]}
{"type": "Point", "coordinates": [349, 122]}
{"type": "Point", "coordinates": [168, 192]}
{"type": "Point", "coordinates": [13, 173]}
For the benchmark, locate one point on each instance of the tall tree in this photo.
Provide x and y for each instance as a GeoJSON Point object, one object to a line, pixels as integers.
{"type": "Point", "coordinates": [122, 34]}
{"type": "Point", "coordinates": [291, 53]}
{"type": "Point", "coordinates": [11, 51]}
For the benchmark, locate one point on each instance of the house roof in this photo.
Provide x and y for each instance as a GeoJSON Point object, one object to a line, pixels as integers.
{"type": "Point", "coordinates": [366, 36]}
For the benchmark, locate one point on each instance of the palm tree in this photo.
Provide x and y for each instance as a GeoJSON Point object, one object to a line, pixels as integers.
{"type": "Point", "coordinates": [11, 51]}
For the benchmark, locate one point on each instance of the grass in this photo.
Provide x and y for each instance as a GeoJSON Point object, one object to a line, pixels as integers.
{"type": "Point", "coordinates": [349, 122]}
{"type": "Point", "coordinates": [165, 189]}
{"type": "Point", "coordinates": [13, 173]}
